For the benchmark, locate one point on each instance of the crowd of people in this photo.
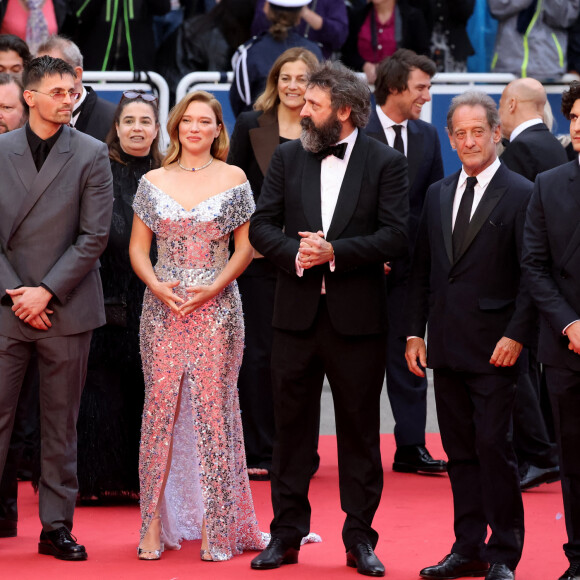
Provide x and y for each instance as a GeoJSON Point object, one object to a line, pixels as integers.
{"type": "Point", "coordinates": [227, 279]}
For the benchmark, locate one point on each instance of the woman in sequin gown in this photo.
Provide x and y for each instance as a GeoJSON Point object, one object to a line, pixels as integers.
{"type": "Point", "coordinates": [193, 478]}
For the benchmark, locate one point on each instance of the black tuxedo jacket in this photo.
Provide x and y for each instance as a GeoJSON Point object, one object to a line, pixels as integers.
{"type": "Point", "coordinates": [424, 159]}
{"type": "Point", "coordinates": [472, 301]}
{"type": "Point", "coordinates": [552, 260]}
{"type": "Point", "coordinates": [96, 116]}
{"type": "Point", "coordinates": [369, 227]}
{"type": "Point", "coordinates": [534, 150]}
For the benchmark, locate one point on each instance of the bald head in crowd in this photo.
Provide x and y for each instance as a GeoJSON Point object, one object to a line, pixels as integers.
{"type": "Point", "coordinates": [13, 112]}
{"type": "Point", "coordinates": [522, 100]}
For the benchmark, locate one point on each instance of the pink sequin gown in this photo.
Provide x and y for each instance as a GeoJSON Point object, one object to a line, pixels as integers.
{"type": "Point", "coordinates": [201, 354]}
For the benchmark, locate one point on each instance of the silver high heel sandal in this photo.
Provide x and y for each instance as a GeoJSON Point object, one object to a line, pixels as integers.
{"type": "Point", "coordinates": [149, 554]}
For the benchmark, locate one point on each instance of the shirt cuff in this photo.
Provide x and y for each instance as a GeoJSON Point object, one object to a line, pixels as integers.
{"type": "Point", "coordinates": [568, 326]}
{"type": "Point", "coordinates": [299, 268]}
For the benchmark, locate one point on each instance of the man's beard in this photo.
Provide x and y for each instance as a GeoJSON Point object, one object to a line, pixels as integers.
{"type": "Point", "coordinates": [315, 139]}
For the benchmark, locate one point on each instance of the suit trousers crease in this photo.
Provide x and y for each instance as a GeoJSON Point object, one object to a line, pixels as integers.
{"type": "Point", "coordinates": [564, 390]}
{"type": "Point", "coordinates": [354, 366]}
{"type": "Point", "coordinates": [474, 412]}
{"type": "Point", "coordinates": [62, 364]}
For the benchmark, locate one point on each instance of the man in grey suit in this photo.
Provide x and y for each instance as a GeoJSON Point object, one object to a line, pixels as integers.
{"type": "Point", "coordinates": [55, 210]}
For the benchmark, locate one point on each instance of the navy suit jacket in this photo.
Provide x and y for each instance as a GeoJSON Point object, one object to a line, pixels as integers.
{"type": "Point", "coordinates": [552, 260]}
{"type": "Point", "coordinates": [471, 301]}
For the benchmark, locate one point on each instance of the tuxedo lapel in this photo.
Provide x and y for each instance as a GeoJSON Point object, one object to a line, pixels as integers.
{"type": "Point", "coordinates": [350, 188]}
{"type": "Point", "coordinates": [447, 193]}
{"type": "Point", "coordinates": [57, 158]}
{"type": "Point", "coordinates": [374, 128]}
{"type": "Point", "coordinates": [265, 139]}
{"type": "Point", "coordinates": [574, 193]}
{"type": "Point", "coordinates": [311, 196]}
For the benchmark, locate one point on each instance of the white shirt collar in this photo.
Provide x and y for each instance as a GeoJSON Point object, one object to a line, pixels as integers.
{"type": "Point", "coordinates": [523, 126]}
{"type": "Point", "coordinates": [386, 121]}
{"type": "Point", "coordinates": [76, 111]}
{"type": "Point", "coordinates": [484, 177]}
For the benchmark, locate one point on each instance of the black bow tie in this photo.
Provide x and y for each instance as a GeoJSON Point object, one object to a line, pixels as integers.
{"type": "Point", "coordinates": [336, 150]}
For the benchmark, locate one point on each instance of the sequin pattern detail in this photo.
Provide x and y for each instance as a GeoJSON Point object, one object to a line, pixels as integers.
{"type": "Point", "coordinates": [199, 357]}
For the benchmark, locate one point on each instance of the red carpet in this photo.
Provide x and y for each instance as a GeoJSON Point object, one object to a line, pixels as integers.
{"type": "Point", "coordinates": [414, 522]}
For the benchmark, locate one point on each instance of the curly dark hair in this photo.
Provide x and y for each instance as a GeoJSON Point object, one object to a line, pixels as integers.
{"type": "Point", "coordinates": [346, 89]}
{"type": "Point", "coordinates": [15, 43]}
{"type": "Point", "coordinates": [569, 97]}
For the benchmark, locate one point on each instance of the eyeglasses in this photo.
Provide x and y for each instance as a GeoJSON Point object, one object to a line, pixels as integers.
{"type": "Point", "coordinates": [135, 95]}
{"type": "Point", "coordinates": [59, 95]}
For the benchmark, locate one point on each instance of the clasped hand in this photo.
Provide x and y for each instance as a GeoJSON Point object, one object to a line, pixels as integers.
{"type": "Point", "coordinates": [30, 305]}
{"type": "Point", "coordinates": [314, 250]}
{"type": "Point", "coordinates": [199, 295]}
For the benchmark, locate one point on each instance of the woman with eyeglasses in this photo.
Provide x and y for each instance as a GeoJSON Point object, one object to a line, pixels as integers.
{"type": "Point", "coordinates": [110, 415]}
{"type": "Point", "coordinates": [192, 465]}
{"type": "Point", "coordinates": [274, 120]}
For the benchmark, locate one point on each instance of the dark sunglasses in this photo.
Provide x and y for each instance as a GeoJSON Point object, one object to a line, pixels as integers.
{"type": "Point", "coordinates": [135, 95]}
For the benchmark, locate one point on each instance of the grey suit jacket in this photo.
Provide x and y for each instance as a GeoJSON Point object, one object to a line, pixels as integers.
{"type": "Point", "coordinates": [54, 225]}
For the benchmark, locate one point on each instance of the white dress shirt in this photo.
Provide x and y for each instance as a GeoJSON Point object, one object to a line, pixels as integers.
{"type": "Point", "coordinates": [77, 108]}
{"type": "Point", "coordinates": [387, 124]}
{"type": "Point", "coordinates": [483, 180]}
{"type": "Point", "coordinates": [523, 126]}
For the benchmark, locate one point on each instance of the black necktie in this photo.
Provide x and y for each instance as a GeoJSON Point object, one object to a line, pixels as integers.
{"type": "Point", "coordinates": [398, 144]}
{"type": "Point", "coordinates": [41, 154]}
{"type": "Point", "coordinates": [463, 216]}
{"type": "Point", "coordinates": [336, 150]}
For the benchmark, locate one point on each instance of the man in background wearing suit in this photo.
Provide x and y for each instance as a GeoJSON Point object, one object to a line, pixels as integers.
{"type": "Point", "coordinates": [91, 114]}
{"type": "Point", "coordinates": [551, 264]}
{"type": "Point", "coordinates": [401, 90]}
{"type": "Point", "coordinates": [532, 148]}
{"type": "Point", "coordinates": [333, 209]}
{"type": "Point", "coordinates": [55, 209]}
{"type": "Point", "coordinates": [465, 283]}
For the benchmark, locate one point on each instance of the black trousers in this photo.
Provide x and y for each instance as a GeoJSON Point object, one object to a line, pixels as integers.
{"type": "Point", "coordinates": [355, 367]}
{"type": "Point", "coordinates": [564, 389]}
{"type": "Point", "coordinates": [475, 417]}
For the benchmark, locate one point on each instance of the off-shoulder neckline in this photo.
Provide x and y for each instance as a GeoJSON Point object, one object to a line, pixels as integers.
{"type": "Point", "coordinates": [200, 203]}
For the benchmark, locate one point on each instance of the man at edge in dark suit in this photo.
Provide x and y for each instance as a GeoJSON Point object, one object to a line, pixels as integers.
{"type": "Point", "coordinates": [401, 90]}
{"type": "Point", "coordinates": [333, 209]}
{"type": "Point", "coordinates": [532, 148]}
{"type": "Point", "coordinates": [551, 265]}
{"type": "Point", "coordinates": [465, 283]}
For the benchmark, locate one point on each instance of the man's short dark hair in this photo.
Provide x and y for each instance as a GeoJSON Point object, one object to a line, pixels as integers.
{"type": "Point", "coordinates": [569, 97]}
{"type": "Point", "coordinates": [8, 79]}
{"type": "Point", "coordinates": [393, 72]}
{"type": "Point", "coordinates": [346, 90]}
{"type": "Point", "coordinates": [15, 43]}
{"type": "Point", "coordinates": [45, 66]}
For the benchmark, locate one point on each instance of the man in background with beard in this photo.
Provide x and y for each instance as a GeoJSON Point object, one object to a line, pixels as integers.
{"type": "Point", "coordinates": [333, 209]}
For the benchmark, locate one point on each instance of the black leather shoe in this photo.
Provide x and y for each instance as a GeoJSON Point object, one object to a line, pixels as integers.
{"type": "Point", "coordinates": [573, 573]}
{"type": "Point", "coordinates": [61, 544]}
{"type": "Point", "coordinates": [8, 528]}
{"type": "Point", "coordinates": [416, 459]}
{"type": "Point", "coordinates": [499, 571]}
{"type": "Point", "coordinates": [535, 476]}
{"type": "Point", "coordinates": [276, 554]}
{"type": "Point", "coordinates": [363, 558]}
{"type": "Point", "coordinates": [455, 566]}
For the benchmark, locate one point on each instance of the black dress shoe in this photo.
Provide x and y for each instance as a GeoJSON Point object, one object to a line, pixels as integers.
{"type": "Point", "coordinates": [573, 573]}
{"type": "Point", "coordinates": [499, 571]}
{"type": "Point", "coordinates": [535, 476]}
{"type": "Point", "coordinates": [415, 459]}
{"type": "Point", "coordinates": [363, 558]}
{"type": "Point", "coordinates": [276, 554]}
{"type": "Point", "coordinates": [61, 544]}
{"type": "Point", "coordinates": [8, 528]}
{"type": "Point", "coordinates": [455, 566]}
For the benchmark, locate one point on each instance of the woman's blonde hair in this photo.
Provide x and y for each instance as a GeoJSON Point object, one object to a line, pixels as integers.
{"type": "Point", "coordinates": [269, 99]}
{"type": "Point", "coordinates": [220, 145]}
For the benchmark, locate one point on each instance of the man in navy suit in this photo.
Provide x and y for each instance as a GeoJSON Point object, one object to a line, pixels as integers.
{"type": "Point", "coordinates": [401, 89]}
{"type": "Point", "coordinates": [551, 264]}
{"type": "Point", "coordinates": [465, 283]}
